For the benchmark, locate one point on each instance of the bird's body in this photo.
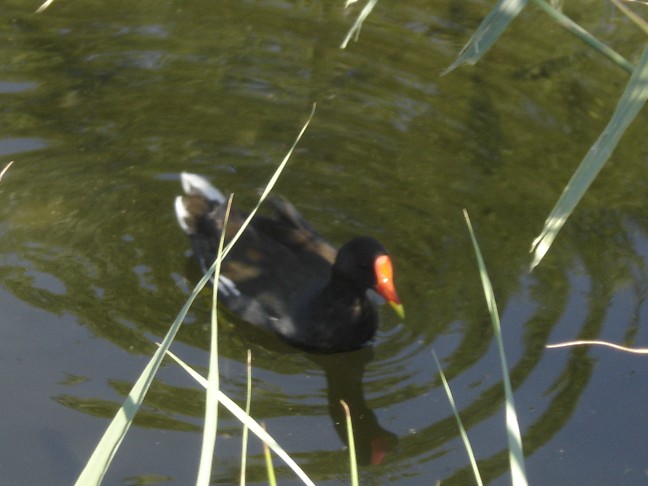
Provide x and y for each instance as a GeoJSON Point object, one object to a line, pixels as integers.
{"type": "Point", "coordinates": [282, 276]}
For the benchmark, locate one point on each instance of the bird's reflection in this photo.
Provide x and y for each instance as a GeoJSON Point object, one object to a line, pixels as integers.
{"type": "Point", "coordinates": [344, 379]}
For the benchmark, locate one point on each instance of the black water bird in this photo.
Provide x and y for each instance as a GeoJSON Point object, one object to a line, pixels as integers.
{"type": "Point", "coordinates": [283, 276]}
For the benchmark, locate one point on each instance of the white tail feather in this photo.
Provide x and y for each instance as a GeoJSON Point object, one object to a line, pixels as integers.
{"type": "Point", "coordinates": [195, 185]}
{"type": "Point", "coordinates": [183, 216]}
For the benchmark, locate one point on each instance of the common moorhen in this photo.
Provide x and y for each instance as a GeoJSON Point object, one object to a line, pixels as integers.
{"type": "Point", "coordinates": [282, 276]}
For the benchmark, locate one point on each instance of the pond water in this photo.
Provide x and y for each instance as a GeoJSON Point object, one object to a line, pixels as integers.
{"type": "Point", "coordinates": [105, 103]}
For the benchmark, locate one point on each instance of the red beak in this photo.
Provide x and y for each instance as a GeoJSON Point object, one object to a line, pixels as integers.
{"type": "Point", "coordinates": [385, 283]}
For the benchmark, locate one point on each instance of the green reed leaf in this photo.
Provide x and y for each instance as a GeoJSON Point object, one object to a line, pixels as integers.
{"type": "Point", "coordinates": [516, 454]}
{"type": "Point", "coordinates": [488, 32]}
{"type": "Point", "coordinates": [632, 101]}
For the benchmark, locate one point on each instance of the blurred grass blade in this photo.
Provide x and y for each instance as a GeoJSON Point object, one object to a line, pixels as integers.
{"type": "Point", "coordinates": [351, 441]}
{"type": "Point", "coordinates": [488, 32]}
{"type": "Point", "coordinates": [516, 455]}
{"type": "Point", "coordinates": [355, 28]}
{"type": "Point", "coordinates": [44, 6]}
{"type": "Point", "coordinates": [6, 168]}
{"type": "Point", "coordinates": [272, 479]}
{"type": "Point", "coordinates": [252, 424]}
{"type": "Point", "coordinates": [462, 430]}
{"type": "Point", "coordinates": [211, 402]}
{"type": "Point", "coordinates": [501, 16]}
{"type": "Point", "coordinates": [641, 23]}
{"type": "Point", "coordinates": [248, 400]}
{"type": "Point", "coordinates": [96, 467]}
{"type": "Point", "coordinates": [618, 347]}
{"type": "Point", "coordinates": [266, 191]}
{"type": "Point", "coordinates": [633, 99]}
{"type": "Point", "coordinates": [585, 36]}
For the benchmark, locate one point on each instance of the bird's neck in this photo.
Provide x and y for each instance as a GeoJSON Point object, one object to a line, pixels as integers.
{"type": "Point", "coordinates": [348, 298]}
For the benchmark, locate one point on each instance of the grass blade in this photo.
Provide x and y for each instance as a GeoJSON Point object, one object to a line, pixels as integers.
{"type": "Point", "coordinates": [462, 430]}
{"type": "Point", "coordinates": [248, 400]}
{"type": "Point", "coordinates": [355, 28]}
{"type": "Point", "coordinates": [44, 6]}
{"type": "Point", "coordinates": [6, 168]}
{"type": "Point", "coordinates": [96, 467]}
{"type": "Point", "coordinates": [585, 36]}
{"type": "Point", "coordinates": [516, 455]}
{"type": "Point", "coordinates": [252, 424]}
{"type": "Point", "coordinates": [213, 385]}
{"type": "Point", "coordinates": [350, 439]}
{"type": "Point", "coordinates": [488, 32]}
{"type": "Point", "coordinates": [266, 191]}
{"type": "Point", "coordinates": [641, 23]}
{"type": "Point", "coordinates": [272, 479]}
{"type": "Point", "coordinates": [598, 343]}
{"type": "Point", "coordinates": [633, 99]}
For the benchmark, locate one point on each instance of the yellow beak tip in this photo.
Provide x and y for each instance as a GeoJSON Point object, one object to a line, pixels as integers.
{"type": "Point", "coordinates": [399, 309]}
